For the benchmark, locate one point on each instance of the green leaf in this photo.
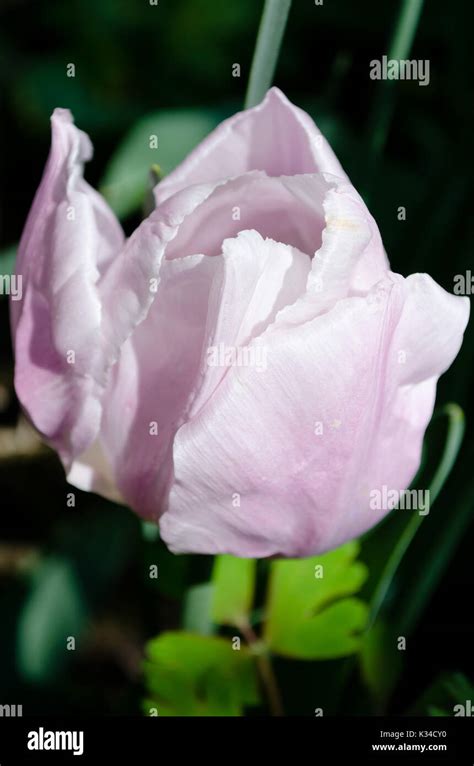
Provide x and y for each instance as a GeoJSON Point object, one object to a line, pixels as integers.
{"type": "Point", "coordinates": [192, 675]}
{"type": "Point", "coordinates": [311, 612]}
{"type": "Point", "coordinates": [126, 177]}
{"type": "Point", "coordinates": [54, 610]}
{"type": "Point", "coordinates": [234, 582]}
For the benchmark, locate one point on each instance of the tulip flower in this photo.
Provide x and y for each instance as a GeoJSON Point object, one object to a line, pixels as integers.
{"type": "Point", "coordinates": [244, 369]}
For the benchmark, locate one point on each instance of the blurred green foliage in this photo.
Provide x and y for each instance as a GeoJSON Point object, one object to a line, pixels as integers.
{"type": "Point", "coordinates": [449, 693]}
{"type": "Point", "coordinates": [125, 181]}
{"type": "Point", "coordinates": [233, 583]}
{"type": "Point", "coordinates": [195, 675]}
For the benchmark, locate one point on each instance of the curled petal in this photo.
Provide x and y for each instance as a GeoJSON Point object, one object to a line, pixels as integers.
{"type": "Point", "coordinates": [69, 238]}
{"type": "Point", "coordinates": [274, 136]}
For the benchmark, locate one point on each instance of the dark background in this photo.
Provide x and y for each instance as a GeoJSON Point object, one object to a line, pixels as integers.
{"type": "Point", "coordinates": [133, 59]}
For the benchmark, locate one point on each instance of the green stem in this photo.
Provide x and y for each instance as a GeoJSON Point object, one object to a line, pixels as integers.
{"type": "Point", "coordinates": [406, 29]}
{"type": "Point", "coordinates": [400, 48]}
{"type": "Point", "coordinates": [265, 668]}
{"type": "Point", "coordinates": [270, 35]}
{"type": "Point", "coordinates": [453, 443]}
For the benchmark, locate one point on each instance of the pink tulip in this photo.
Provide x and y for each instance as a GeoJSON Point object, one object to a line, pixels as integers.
{"type": "Point", "coordinates": [245, 368]}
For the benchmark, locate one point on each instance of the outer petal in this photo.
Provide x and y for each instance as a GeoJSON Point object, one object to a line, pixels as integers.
{"type": "Point", "coordinates": [254, 476]}
{"type": "Point", "coordinates": [69, 238]}
{"type": "Point", "coordinates": [62, 180]}
{"type": "Point", "coordinates": [274, 136]}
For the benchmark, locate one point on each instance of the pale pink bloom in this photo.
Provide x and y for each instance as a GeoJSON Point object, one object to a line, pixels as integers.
{"type": "Point", "coordinates": [258, 243]}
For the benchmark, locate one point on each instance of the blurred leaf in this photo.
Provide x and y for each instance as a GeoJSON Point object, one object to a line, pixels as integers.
{"type": "Point", "coordinates": [447, 691]}
{"type": "Point", "coordinates": [44, 85]}
{"type": "Point", "coordinates": [7, 260]}
{"type": "Point", "coordinates": [434, 711]}
{"type": "Point", "coordinates": [150, 531]}
{"type": "Point", "coordinates": [92, 549]}
{"type": "Point", "coordinates": [99, 542]}
{"type": "Point", "coordinates": [54, 610]}
{"type": "Point", "coordinates": [194, 675]}
{"type": "Point", "coordinates": [310, 614]}
{"type": "Point", "coordinates": [380, 662]}
{"type": "Point", "coordinates": [197, 609]}
{"type": "Point", "coordinates": [125, 181]}
{"type": "Point", "coordinates": [234, 581]}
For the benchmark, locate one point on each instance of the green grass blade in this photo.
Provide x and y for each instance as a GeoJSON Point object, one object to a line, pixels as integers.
{"type": "Point", "coordinates": [270, 35]}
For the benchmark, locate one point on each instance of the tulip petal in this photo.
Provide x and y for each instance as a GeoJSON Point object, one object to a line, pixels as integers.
{"type": "Point", "coordinates": [274, 136]}
{"type": "Point", "coordinates": [285, 209]}
{"type": "Point", "coordinates": [92, 472]}
{"type": "Point", "coordinates": [153, 381]}
{"type": "Point", "coordinates": [256, 278]}
{"type": "Point", "coordinates": [315, 213]}
{"type": "Point", "coordinates": [200, 300]}
{"type": "Point", "coordinates": [85, 291]}
{"type": "Point", "coordinates": [283, 463]}
{"type": "Point", "coordinates": [69, 238]}
{"type": "Point", "coordinates": [350, 260]}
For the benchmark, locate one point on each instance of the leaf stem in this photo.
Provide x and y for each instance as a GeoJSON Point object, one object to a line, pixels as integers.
{"type": "Point", "coordinates": [405, 30]}
{"type": "Point", "coordinates": [270, 35]}
{"type": "Point", "coordinates": [265, 669]}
